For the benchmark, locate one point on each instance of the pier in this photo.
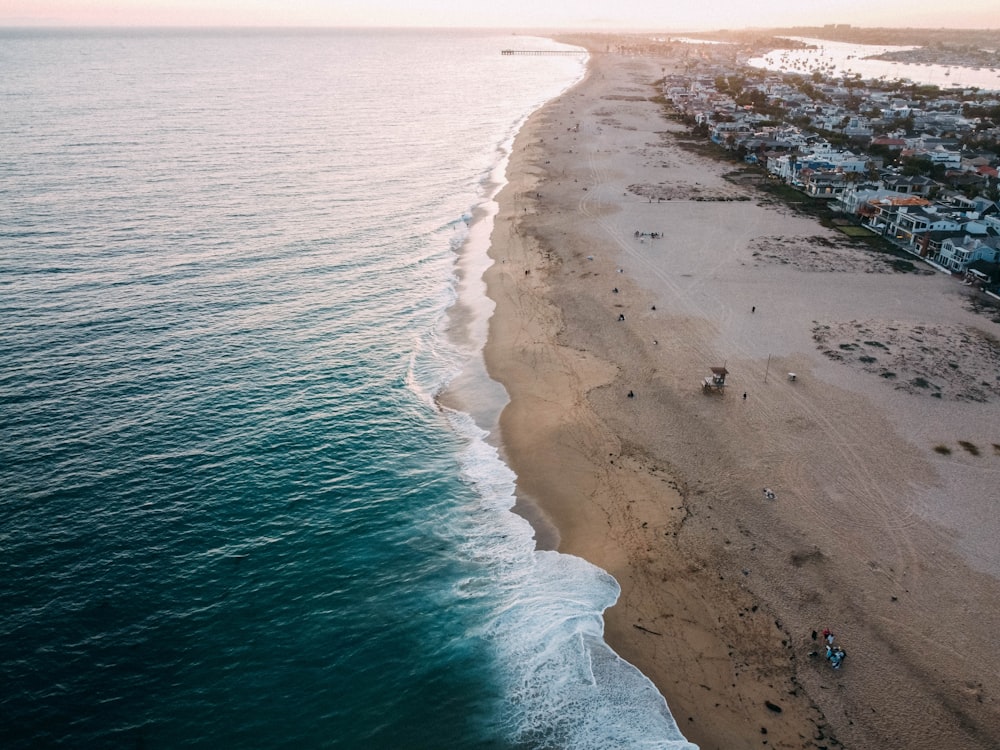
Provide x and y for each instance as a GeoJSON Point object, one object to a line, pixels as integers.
{"type": "Point", "coordinates": [542, 52]}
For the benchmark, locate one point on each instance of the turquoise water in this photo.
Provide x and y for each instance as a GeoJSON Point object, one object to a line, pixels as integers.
{"type": "Point", "coordinates": [232, 513]}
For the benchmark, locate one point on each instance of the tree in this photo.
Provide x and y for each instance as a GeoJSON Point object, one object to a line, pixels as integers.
{"type": "Point", "coordinates": [754, 98]}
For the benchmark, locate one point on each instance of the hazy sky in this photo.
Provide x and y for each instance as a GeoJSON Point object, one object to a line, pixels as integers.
{"type": "Point", "coordinates": [512, 14]}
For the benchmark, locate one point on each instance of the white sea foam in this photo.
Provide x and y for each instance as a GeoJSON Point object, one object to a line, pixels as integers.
{"type": "Point", "coordinates": [562, 685]}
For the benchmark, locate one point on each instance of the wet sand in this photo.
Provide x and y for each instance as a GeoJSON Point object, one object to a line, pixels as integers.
{"type": "Point", "coordinates": [883, 526]}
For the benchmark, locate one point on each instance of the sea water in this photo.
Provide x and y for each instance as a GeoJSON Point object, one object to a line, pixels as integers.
{"type": "Point", "coordinates": [232, 512]}
{"type": "Point", "coordinates": [846, 59]}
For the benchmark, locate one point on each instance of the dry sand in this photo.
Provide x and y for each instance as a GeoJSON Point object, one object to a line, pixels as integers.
{"type": "Point", "coordinates": [884, 453]}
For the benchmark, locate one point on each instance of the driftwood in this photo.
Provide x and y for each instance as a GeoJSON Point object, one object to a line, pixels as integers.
{"type": "Point", "coordinates": [645, 630]}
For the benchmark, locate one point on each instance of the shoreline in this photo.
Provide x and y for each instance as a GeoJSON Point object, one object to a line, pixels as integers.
{"type": "Point", "coordinates": [721, 590]}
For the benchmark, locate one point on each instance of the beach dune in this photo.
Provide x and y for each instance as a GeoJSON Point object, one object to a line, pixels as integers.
{"type": "Point", "coordinates": [625, 267]}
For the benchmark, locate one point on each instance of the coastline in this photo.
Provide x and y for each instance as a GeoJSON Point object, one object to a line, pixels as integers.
{"type": "Point", "coordinates": [721, 590]}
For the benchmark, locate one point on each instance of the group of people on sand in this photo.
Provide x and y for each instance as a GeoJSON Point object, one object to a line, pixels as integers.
{"type": "Point", "coordinates": [651, 235]}
{"type": "Point", "coordinates": [834, 654]}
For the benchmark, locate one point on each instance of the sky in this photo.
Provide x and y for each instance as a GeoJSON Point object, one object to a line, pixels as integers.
{"type": "Point", "coordinates": [668, 15]}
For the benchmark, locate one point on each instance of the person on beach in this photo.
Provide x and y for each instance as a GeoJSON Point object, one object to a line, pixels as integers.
{"type": "Point", "coordinates": [838, 657]}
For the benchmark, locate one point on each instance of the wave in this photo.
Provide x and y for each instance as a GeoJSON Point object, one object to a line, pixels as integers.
{"type": "Point", "coordinates": [563, 686]}
{"type": "Point", "coordinates": [542, 611]}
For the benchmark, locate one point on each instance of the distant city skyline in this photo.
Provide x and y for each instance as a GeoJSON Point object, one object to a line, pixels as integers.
{"type": "Point", "coordinates": [677, 15]}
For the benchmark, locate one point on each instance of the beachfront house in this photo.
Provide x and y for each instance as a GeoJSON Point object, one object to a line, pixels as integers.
{"type": "Point", "coordinates": [855, 197]}
{"type": "Point", "coordinates": [945, 234]}
{"type": "Point", "coordinates": [828, 184]}
{"type": "Point", "coordinates": [908, 222]}
{"type": "Point", "coordinates": [879, 215]}
{"type": "Point", "coordinates": [822, 172]}
{"type": "Point", "coordinates": [928, 245]}
{"type": "Point", "coordinates": [785, 167]}
{"type": "Point", "coordinates": [958, 253]}
{"type": "Point", "coordinates": [724, 132]}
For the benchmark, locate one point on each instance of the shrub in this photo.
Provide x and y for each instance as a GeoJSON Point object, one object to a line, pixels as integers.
{"type": "Point", "coordinates": [970, 448]}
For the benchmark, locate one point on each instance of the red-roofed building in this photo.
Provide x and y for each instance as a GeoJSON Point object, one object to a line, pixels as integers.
{"type": "Point", "coordinates": [893, 144]}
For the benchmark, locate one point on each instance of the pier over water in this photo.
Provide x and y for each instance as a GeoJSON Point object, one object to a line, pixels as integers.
{"type": "Point", "coordinates": [542, 52]}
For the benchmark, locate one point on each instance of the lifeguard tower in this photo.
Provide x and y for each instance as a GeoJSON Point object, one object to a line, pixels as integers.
{"type": "Point", "coordinates": [716, 381]}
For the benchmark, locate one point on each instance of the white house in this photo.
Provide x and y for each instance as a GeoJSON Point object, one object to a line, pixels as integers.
{"type": "Point", "coordinates": [856, 196]}
{"type": "Point", "coordinates": [941, 155]}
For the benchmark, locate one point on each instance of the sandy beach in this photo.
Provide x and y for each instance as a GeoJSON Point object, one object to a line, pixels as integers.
{"type": "Point", "coordinates": [883, 453]}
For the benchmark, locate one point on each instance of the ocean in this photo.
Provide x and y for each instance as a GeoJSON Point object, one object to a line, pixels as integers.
{"type": "Point", "coordinates": [233, 512]}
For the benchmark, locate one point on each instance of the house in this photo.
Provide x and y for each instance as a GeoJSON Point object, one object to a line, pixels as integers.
{"type": "Point", "coordinates": [958, 253]}
{"type": "Point", "coordinates": [928, 245]}
{"type": "Point", "coordinates": [724, 130]}
{"type": "Point", "coordinates": [823, 184]}
{"type": "Point", "coordinates": [893, 144]}
{"type": "Point", "coordinates": [784, 166]}
{"type": "Point", "coordinates": [855, 197]}
{"type": "Point", "coordinates": [941, 155]}
{"type": "Point", "coordinates": [907, 223]}
{"type": "Point", "coordinates": [858, 127]}
{"type": "Point", "coordinates": [914, 185]}
{"type": "Point", "coordinates": [966, 181]}
{"type": "Point", "coordinates": [878, 214]}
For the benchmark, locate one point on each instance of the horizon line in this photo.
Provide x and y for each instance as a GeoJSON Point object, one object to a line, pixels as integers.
{"type": "Point", "coordinates": [55, 24]}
